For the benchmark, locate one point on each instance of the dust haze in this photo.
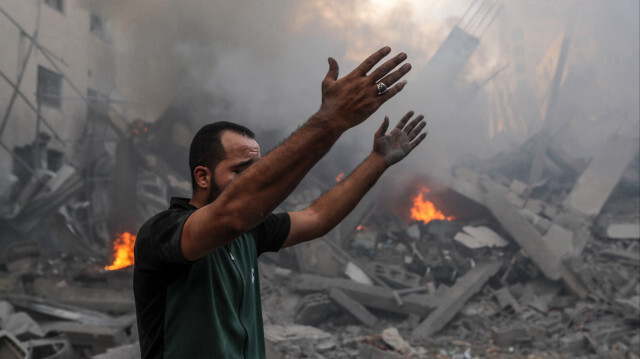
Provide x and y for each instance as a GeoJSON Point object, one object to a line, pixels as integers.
{"type": "Point", "coordinates": [262, 63]}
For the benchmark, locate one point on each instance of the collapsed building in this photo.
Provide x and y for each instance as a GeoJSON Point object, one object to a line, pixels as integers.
{"type": "Point", "coordinates": [532, 252]}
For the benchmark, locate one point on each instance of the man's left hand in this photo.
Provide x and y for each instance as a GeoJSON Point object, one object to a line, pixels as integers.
{"type": "Point", "coordinates": [398, 143]}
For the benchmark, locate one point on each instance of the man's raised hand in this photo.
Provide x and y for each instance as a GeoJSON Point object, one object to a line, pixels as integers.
{"type": "Point", "coordinates": [353, 98]}
{"type": "Point", "coordinates": [398, 143]}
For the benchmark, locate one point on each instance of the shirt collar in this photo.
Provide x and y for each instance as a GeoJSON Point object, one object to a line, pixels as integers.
{"type": "Point", "coordinates": [180, 203]}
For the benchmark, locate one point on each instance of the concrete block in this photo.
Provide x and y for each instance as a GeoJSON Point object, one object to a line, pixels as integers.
{"type": "Point", "coordinates": [313, 309]}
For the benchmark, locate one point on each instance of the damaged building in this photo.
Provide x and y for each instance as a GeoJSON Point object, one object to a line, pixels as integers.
{"type": "Point", "coordinates": [531, 252]}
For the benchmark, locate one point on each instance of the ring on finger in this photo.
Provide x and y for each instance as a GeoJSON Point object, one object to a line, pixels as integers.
{"type": "Point", "coordinates": [381, 87]}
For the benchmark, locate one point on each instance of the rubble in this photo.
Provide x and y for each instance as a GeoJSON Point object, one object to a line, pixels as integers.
{"type": "Point", "coordinates": [533, 253]}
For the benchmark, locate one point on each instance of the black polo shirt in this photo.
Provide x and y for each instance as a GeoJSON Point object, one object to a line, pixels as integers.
{"type": "Point", "coordinates": [206, 309]}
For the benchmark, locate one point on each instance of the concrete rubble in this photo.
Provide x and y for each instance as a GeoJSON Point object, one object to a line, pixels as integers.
{"type": "Point", "coordinates": [518, 269]}
{"type": "Point", "coordinates": [532, 253]}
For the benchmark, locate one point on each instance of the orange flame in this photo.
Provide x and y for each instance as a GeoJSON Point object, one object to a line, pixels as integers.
{"type": "Point", "coordinates": [340, 177]}
{"type": "Point", "coordinates": [123, 248]}
{"type": "Point", "coordinates": [361, 227]}
{"type": "Point", "coordinates": [424, 210]}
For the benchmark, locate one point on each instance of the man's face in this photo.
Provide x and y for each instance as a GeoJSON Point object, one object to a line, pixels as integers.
{"type": "Point", "coordinates": [240, 152]}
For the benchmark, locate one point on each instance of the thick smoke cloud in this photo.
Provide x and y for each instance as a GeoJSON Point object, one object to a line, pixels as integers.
{"type": "Point", "coordinates": [265, 61]}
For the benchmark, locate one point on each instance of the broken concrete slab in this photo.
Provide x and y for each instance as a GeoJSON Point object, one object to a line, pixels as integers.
{"type": "Point", "coordinates": [68, 312]}
{"type": "Point", "coordinates": [596, 183]}
{"type": "Point", "coordinates": [22, 326]}
{"type": "Point", "coordinates": [560, 241]}
{"type": "Point", "coordinates": [354, 308]}
{"type": "Point", "coordinates": [99, 338]}
{"type": "Point", "coordinates": [530, 240]}
{"type": "Point", "coordinates": [368, 295]}
{"type": "Point", "coordinates": [479, 237]}
{"type": "Point", "coordinates": [454, 299]}
{"type": "Point", "coordinates": [98, 298]}
{"type": "Point", "coordinates": [294, 333]}
{"type": "Point", "coordinates": [505, 299]}
{"type": "Point", "coordinates": [128, 351]}
{"type": "Point", "coordinates": [624, 231]}
{"type": "Point", "coordinates": [632, 257]}
{"type": "Point", "coordinates": [356, 274]}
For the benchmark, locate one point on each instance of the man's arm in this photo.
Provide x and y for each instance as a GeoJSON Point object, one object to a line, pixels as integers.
{"type": "Point", "coordinates": [331, 208]}
{"type": "Point", "coordinates": [346, 102]}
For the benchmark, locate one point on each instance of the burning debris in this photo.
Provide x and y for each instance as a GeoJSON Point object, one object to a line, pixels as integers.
{"type": "Point", "coordinates": [123, 251]}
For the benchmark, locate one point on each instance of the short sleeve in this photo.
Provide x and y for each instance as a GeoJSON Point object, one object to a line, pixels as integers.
{"type": "Point", "coordinates": [272, 232]}
{"type": "Point", "coordinates": [161, 239]}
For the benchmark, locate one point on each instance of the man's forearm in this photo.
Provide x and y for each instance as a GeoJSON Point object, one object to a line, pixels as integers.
{"type": "Point", "coordinates": [270, 180]}
{"type": "Point", "coordinates": [333, 206]}
{"type": "Point", "coordinates": [252, 195]}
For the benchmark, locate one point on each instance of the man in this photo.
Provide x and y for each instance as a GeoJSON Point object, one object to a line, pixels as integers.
{"type": "Point", "coordinates": [195, 278]}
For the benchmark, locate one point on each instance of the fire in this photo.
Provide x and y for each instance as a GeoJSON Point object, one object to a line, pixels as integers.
{"type": "Point", "coordinates": [340, 177]}
{"type": "Point", "coordinates": [123, 248]}
{"type": "Point", "coordinates": [424, 210]}
{"type": "Point", "coordinates": [361, 227]}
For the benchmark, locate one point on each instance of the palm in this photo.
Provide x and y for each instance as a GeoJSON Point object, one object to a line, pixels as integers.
{"type": "Point", "coordinates": [398, 143]}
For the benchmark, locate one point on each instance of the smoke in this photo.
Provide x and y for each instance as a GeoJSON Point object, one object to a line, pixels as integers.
{"type": "Point", "coordinates": [266, 61]}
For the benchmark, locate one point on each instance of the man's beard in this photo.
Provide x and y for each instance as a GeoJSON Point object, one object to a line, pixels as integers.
{"type": "Point", "coordinates": [214, 193]}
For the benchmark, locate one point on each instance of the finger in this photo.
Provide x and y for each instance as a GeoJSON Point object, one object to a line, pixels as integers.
{"type": "Point", "coordinates": [332, 74]}
{"type": "Point", "coordinates": [403, 120]}
{"type": "Point", "coordinates": [385, 68]}
{"type": "Point", "coordinates": [383, 128]}
{"type": "Point", "coordinates": [413, 124]}
{"type": "Point", "coordinates": [385, 96]}
{"type": "Point", "coordinates": [417, 141]}
{"type": "Point", "coordinates": [396, 75]}
{"type": "Point", "coordinates": [371, 61]}
{"type": "Point", "coordinates": [416, 131]}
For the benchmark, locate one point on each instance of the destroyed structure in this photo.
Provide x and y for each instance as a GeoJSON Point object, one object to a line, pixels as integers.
{"type": "Point", "coordinates": [531, 253]}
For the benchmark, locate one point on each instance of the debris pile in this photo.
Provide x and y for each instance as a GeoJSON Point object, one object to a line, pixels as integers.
{"type": "Point", "coordinates": [509, 268]}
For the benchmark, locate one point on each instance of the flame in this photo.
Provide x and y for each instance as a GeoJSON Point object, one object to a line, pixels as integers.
{"type": "Point", "coordinates": [123, 248]}
{"type": "Point", "coordinates": [340, 177]}
{"type": "Point", "coordinates": [424, 210]}
{"type": "Point", "coordinates": [361, 227]}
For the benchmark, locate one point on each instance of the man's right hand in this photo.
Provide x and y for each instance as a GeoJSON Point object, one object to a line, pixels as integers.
{"type": "Point", "coordinates": [353, 98]}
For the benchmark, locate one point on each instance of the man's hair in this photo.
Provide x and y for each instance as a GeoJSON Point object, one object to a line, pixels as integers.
{"type": "Point", "coordinates": [206, 147]}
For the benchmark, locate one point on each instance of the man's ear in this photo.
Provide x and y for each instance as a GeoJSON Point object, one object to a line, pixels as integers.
{"type": "Point", "coordinates": [203, 177]}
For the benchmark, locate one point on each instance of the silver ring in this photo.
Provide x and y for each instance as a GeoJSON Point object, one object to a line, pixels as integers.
{"type": "Point", "coordinates": [381, 87]}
